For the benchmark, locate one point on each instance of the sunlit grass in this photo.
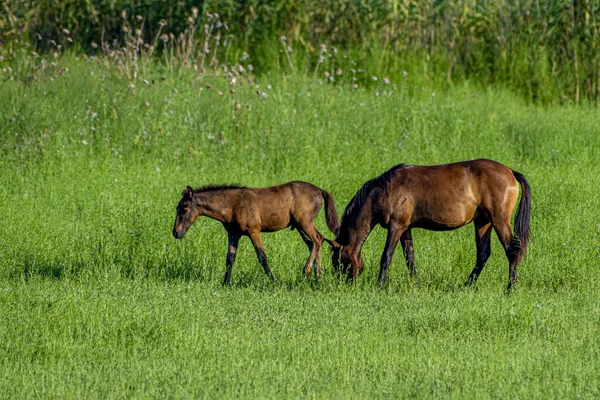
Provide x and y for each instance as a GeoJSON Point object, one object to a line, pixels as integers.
{"type": "Point", "coordinates": [98, 300]}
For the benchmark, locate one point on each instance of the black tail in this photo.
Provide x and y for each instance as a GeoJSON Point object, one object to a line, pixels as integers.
{"type": "Point", "coordinates": [523, 215]}
{"type": "Point", "coordinates": [333, 223]}
{"type": "Point", "coordinates": [336, 249]}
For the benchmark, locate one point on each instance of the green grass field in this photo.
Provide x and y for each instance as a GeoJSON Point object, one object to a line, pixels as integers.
{"type": "Point", "coordinates": [98, 300]}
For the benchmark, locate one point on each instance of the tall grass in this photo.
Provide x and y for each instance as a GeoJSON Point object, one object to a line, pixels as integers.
{"type": "Point", "coordinates": [547, 51]}
{"type": "Point", "coordinates": [98, 300]}
{"type": "Point", "coordinates": [102, 124]}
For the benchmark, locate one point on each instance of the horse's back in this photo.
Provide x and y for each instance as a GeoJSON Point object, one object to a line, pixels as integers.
{"type": "Point", "coordinates": [308, 200]}
{"type": "Point", "coordinates": [288, 192]}
{"type": "Point", "coordinates": [448, 196]}
{"type": "Point", "coordinates": [273, 198]}
{"type": "Point", "coordinates": [277, 207]}
{"type": "Point", "coordinates": [453, 178]}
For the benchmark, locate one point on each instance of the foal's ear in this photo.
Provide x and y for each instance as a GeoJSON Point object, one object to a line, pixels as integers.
{"type": "Point", "coordinates": [188, 192]}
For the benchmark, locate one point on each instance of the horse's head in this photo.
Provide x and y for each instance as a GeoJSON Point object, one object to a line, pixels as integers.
{"type": "Point", "coordinates": [187, 213]}
{"type": "Point", "coordinates": [345, 259]}
{"type": "Point", "coordinates": [352, 262]}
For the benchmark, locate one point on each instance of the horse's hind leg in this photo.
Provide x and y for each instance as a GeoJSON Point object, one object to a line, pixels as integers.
{"type": "Point", "coordinates": [233, 241]}
{"type": "Point", "coordinates": [483, 232]}
{"type": "Point", "coordinates": [260, 253]}
{"type": "Point", "coordinates": [407, 246]}
{"type": "Point", "coordinates": [511, 248]}
{"type": "Point", "coordinates": [318, 258]}
{"type": "Point", "coordinates": [313, 240]}
{"type": "Point", "coordinates": [310, 244]}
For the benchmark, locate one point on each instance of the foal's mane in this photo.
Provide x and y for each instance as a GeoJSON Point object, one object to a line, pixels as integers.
{"type": "Point", "coordinates": [382, 181]}
{"type": "Point", "coordinates": [212, 188]}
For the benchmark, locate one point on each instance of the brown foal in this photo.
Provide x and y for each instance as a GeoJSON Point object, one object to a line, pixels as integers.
{"type": "Point", "coordinates": [249, 211]}
{"type": "Point", "coordinates": [439, 197]}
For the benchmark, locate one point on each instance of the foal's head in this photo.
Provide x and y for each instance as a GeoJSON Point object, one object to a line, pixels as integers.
{"type": "Point", "coordinates": [187, 213]}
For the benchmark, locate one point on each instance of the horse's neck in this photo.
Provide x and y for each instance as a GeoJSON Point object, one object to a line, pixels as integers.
{"type": "Point", "coordinates": [214, 205]}
{"type": "Point", "coordinates": [361, 227]}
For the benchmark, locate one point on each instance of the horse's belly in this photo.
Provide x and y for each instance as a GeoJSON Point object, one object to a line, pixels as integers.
{"type": "Point", "coordinates": [444, 219]}
{"type": "Point", "coordinates": [272, 223]}
{"type": "Point", "coordinates": [433, 225]}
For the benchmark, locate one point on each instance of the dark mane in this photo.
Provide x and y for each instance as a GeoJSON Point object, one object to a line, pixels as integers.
{"type": "Point", "coordinates": [211, 188]}
{"type": "Point", "coordinates": [359, 200]}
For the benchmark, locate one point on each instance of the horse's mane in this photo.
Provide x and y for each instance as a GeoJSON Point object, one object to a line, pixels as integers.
{"type": "Point", "coordinates": [212, 188]}
{"type": "Point", "coordinates": [359, 199]}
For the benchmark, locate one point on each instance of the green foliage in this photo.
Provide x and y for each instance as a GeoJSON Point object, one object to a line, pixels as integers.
{"type": "Point", "coordinates": [97, 299]}
{"type": "Point", "coordinates": [547, 51]}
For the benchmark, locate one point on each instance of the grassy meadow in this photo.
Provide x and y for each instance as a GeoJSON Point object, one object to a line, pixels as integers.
{"type": "Point", "coordinates": [98, 300]}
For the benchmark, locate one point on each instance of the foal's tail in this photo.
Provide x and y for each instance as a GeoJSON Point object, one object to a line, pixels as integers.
{"type": "Point", "coordinates": [336, 250]}
{"type": "Point", "coordinates": [523, 215]}
{"type": "Point", "coordinates": [333, 223]}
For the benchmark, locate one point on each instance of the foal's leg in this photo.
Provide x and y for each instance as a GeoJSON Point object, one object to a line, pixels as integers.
{"type": "Point", "coordinates": [318, 259]}
{"type": "Point", "coordinates": [407, 246]}
{"type": "Point", "coordinates": [483, 234]}
{"type": "Point", "coordinates": [511, 248]}
{"type": "Point", "coordinates": [260, 253]}
{"type": "Point", "coordinates": [310, 244]}
{"type": "Point", "coordinates": [231, 250]}
{"type": "Point", "coordinates": [393, 236]}
{"type": "Point", "coordinates": [311, 234]}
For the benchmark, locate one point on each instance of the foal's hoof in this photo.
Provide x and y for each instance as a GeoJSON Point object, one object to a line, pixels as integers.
{"type": "Point", "coordinates": [471, 280]}
{"type": "Point", "coordinates": [308, 275]}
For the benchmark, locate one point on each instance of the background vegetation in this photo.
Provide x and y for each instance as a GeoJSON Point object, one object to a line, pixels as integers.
{"type": "Point", "coordinates": [97, 299]}
{"type": "Point", "coordinates": [546, 51]}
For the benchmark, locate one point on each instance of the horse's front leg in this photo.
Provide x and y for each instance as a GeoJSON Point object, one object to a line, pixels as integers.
{"type": "Point", "coordinates": [233, 241]}
{"type": "Point", "coordinates": [260, 252]}
{"type": "Point", "coordinates": [393, 237]}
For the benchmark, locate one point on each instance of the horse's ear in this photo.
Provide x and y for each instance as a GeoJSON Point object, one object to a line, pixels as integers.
{"type": "Point", "coordinates": [188, 192]}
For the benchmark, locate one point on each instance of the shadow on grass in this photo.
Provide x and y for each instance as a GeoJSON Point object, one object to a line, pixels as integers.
{"type": "Point", "coordinates": [186, 271]}
{"type": "Point", "coordinates": [51, 269]}
{"type": "Point", "coordinates": [212, 273]}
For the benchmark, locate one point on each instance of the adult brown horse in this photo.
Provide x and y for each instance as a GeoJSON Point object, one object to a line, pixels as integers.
{"type": "Point", "coordinates": [439, 197]}
{"type": "Point", "coordinates": [248, 211]}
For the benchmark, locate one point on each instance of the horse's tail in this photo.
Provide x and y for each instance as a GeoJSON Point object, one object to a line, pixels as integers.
{"type": "Point", "coordinates": [333, 223]}
{"type": "Point", "coordinates": [523, 215]}
{"type": "Point", "coordinates": [336, 249]}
